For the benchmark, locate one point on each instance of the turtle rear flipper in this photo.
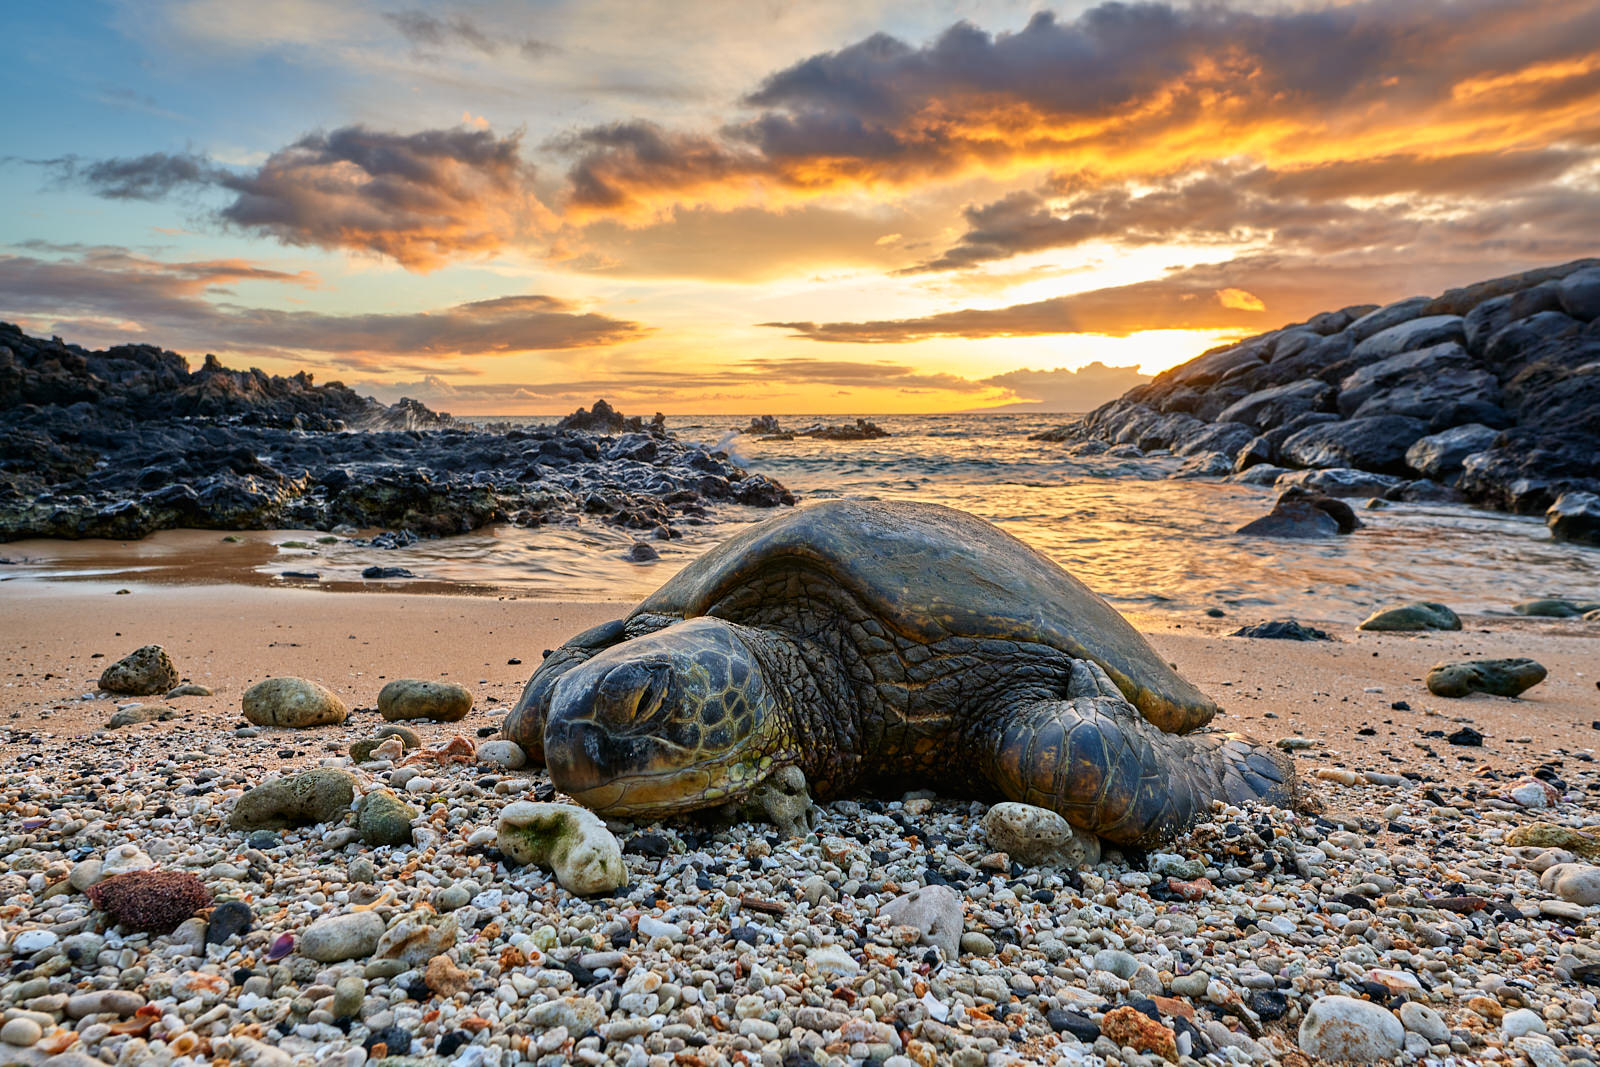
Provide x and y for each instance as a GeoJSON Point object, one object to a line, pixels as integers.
{"type": "Point", "coordinates": [1099, 763]}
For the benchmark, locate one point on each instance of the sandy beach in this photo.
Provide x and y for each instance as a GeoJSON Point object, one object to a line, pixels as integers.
{"type": "Point", "coordinates": [729, 944]}
{"type": "Point", "coordinates": [228, 637]}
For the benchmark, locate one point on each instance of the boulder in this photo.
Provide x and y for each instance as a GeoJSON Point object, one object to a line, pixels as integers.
{"type": "Point", "coordinates": [416, 698]}
{"type": "Point", "coordinates": [416, 938]}
{"type": "Point", "coordinates": [143, 672]}
{"type": "Point", "coordinates": [1339, 481]}
{"type": "Point", "coordinates": [1226, 437]}
{"type": "Point", "coordinates": [1339, 1029]}
{"type": "Point", "coordinates": [1440, 455]}
{"type": "Point", "coordinates": [321, 795]}
{"type": "Point", "coordinates": [1038, 837]}
{"type": "Point", "coordinates": [1260, 474]}
{"type": "Point", "coordinates": [382, 818]}
{"type": "Point", "coordinates": [1579, 294]}
{"type": "Point", "coordinates": [1410, 335]}
{"type": "Point", "coordinates": [571, 842]}
{"type": "Point", "coordinates": [1274, 406]}
{"type": "Point", "coordinates": [353, 936]}
{"type": "Point", "coordinates": [1375, 322]}
{"type": "Point", "coordinates": [1577, 883]}
{"type": "Point", "coordinates": [1423, 615]}
{"type": "Point", "coordinates": [1204, 465]}
{"type": "Point", "coordinates": [1575, 517]}
{"type": "Point", "coordinates": [1372, 444]}
{"type": "Point", "coordinates": [1452, 395]}
{"type": "Point", "coordinates": [1375, 380]}
{"type": "Point", "coordinates": [294, 703]}
{"type": "Point", "coordinates": [1497, 677]}
{"type": "Point", "coordinates": [1550, 608]}
{"type": "Point", "coordinates": [935, 911]}
{"type": "Point", "coordinates": [1301, 513]}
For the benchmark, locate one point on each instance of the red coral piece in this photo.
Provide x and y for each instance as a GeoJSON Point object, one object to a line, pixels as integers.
{"type": "Point", "coordinates": [153, 901]}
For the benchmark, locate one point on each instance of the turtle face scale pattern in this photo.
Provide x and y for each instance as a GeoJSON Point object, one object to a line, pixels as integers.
{"type": "Point", "coordinates": [879, 646]}
{"type": "Point", "coordinates": [678, 719]}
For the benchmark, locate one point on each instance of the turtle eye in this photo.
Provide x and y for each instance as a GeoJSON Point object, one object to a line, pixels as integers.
{"type": "Point", "coordinates": [654, 693]}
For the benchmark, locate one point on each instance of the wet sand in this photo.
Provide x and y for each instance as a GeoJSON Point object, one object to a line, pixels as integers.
{"type": "Point", "coordinates": [228, 637]}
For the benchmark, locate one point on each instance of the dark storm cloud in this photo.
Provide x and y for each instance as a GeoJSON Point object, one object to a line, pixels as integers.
{"type": "Point", "coordinates": [96, 292]}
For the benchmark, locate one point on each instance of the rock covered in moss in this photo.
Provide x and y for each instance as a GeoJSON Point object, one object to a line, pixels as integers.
{"type": "Point", "coordinates": [143, 672]}
{"type": "Point", "coordinates": [416, 698]}
{"type": "Point", "coordinates": [315, 796]}
{"type": "Point", "coordinates": [294, 703]}
{"type": "Point", "coordinates": [384, 819]}
{"type": "Point", "coordinates": [152, 901]}
{"type": "Point", "coordinates": [1422, 615]}
{"type": "Point", "coordinates": [569, 841]}
{"type": "Point", "coordinates": [1549, 835]}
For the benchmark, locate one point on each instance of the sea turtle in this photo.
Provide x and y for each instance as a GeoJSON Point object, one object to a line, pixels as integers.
{"type": "Point", "coordinates": [880, 646]}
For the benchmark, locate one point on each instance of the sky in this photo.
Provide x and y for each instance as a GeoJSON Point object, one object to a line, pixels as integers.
{"type": "Point", "coordinates": [772, 206]}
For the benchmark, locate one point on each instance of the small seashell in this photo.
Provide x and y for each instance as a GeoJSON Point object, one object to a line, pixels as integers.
{"type": "Point", "coordinates": [281, 947]}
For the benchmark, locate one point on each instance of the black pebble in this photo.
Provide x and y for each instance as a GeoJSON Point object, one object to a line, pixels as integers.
{"type": "Point", "coordinates": [1466, 736]}
{"type": "Point", "coordinates": [580, 974]}
{"type": "Point", "coordinates": [449, 1043]}
{"type": "Point", "coordinates": [512, 662]}
{"type": "Point", "coordinates": [1268, 1003]}
{"type": "Point", "coordinates": [649, 844]}
{"type": "Point", "coordinates": [488, 731]}
{"type": "Point", "coordinates": [418, 990]}
{"type": "Point", "coordinates": [1044, 896]}
{"type": "Point", "coordinates": [1146, 1006]}
{"type": "Point", "coordinates": [1075, 1023]}
{"type": "Point", "coordinates": [1400, 705]}
{"type": "Point", "coordinates": [397, 1039]}
{"type": "Point", "coordinates": [747, 934]}
{"type": "Point", "coordinates": [230, 917]}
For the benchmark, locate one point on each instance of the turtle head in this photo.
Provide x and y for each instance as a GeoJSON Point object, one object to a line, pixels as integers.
{"type": "Point", "coordinates": [675, 720]}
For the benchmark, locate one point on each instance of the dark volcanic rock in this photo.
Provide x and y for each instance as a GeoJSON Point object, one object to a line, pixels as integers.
{"type": "Point", "coordinates": [1283, 630]}
{"type": "Point", "coordinates": [127, 441]}
{"type": "Point", "coordinates": [1304, 513]}
{"type": "Point", "coordinates": [1497, 677]}
{"type": "Point", "coordinates": [1575, 517]}
{"type": "Point", "coordinates": [1372, 444]}
{"type": "Point", "coordinates": [1440, 455]}
{"type": "Point", "coordinates": [1491, 391]}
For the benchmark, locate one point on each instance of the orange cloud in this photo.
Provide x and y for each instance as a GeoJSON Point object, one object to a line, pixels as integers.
{"type": "Point", "coordinates": [1125, 90]}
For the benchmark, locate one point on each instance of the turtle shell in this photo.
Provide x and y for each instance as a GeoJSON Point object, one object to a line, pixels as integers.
{"type": "Point", "coordinates": [928, 572]}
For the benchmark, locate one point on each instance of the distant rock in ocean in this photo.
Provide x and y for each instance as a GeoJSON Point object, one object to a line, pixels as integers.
{"type": "Point", "coordinates": [127, 441]}
{"type": "Point", "coordinates": [1491, 391]}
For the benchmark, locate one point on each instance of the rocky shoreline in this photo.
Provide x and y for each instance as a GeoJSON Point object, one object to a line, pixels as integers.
{"type": "Point", "coordinates": [128, 441]}
{"type": "Point", "coordinates": [1488, 394]}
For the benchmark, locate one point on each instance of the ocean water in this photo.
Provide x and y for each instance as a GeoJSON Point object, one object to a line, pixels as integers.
{"type": "Point", "coordinates": [1139, 538]}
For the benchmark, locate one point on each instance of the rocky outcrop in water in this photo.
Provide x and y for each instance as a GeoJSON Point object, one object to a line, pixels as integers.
{"type": "Point", "coordinates": [128, 441]}
{"type": "Point", "coordinates": [1492, 390]}
{"type": "Point", "coordinates": [769, 429]}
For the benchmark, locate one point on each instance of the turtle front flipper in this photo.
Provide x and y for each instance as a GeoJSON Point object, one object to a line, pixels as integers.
{"type": "Point", "coordinates": [525, 723]}
{"type": "Point", "coordinates": [1094, 759]}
